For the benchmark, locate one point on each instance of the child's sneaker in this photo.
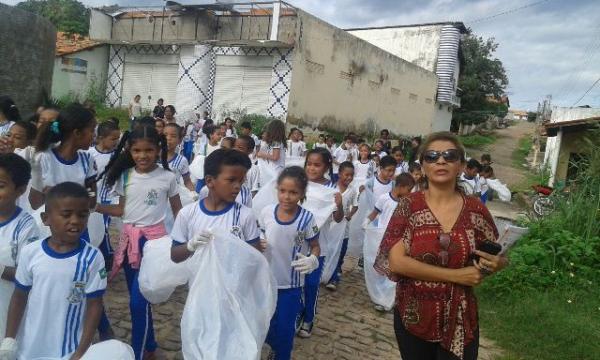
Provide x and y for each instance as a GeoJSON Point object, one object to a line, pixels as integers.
{"type": "Point", "coordinates": [380, 308]}
{"type": "Point", "coordinates": [305, 330]}
{"type": "Point", "coordinates": [331, 286]}
{"type": "Point", "coordinates": [361, 262]}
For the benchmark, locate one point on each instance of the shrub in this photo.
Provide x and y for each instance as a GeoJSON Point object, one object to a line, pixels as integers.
{"type": "Point", "coordinates": [476, 140]}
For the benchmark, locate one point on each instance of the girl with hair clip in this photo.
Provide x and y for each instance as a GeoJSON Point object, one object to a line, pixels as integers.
{"type": "Point", "coordinates": [319, 162]}
{"type": "Point", "coordinates": [9, 113]}
{"type": "Point", "coordinates": [145, 190]}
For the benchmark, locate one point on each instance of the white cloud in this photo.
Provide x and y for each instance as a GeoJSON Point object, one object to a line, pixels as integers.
{"type": "Point", "coordinates": [549, 48]}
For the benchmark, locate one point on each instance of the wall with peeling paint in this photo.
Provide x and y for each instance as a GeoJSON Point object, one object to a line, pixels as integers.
{"type": "Point", "coordinates": [344, 83]}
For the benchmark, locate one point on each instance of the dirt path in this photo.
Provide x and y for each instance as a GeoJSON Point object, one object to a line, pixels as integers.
{"type": "Point", "coordinates": [502, 150]}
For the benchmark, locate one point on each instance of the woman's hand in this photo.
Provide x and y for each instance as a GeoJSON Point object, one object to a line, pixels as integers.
{"type": "Point", "coordinates": [488, 263]}
{"type": "Point", "coordinates": [467, 276]}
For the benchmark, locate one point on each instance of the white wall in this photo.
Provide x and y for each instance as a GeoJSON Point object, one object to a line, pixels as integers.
{"type": "Point", "coordinates": [560, 114]}
{"type": "Point", "coordinates": [65, 82]}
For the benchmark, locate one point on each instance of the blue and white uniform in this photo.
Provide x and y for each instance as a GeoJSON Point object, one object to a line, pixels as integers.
{"type": "Point", "coordinates": [349, 201]}
{"type": "Point", "coordinates": [363, 171]}
{"type": "Point", "coordinates": [401, 168]}
{"type": "Point", "coordinates": [195, 217]}
{"type": "Point", "coordinates": [59, 285]}
{"type": "Point", "coordinates": [379, 188]}
{"type": "Point", "coordinates": [385, 206]}
{"type": "Point", "coordinates": [56, 170]}
{"type": "Point", "coordinates": [285, 240]}
{"type": "Point", "coordinates": [296, 148]}
{"type": "Point", "coordinates": [105, 196]}
{"type": "Point", "coordinates": [180, 166]}
{"type": "Point", "coordinates": [15, 233]}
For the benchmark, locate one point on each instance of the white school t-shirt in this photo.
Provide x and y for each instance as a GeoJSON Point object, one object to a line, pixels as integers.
{"type": "Point", "coordinates": [339, 155]}
{"type": "Point", "coordinates": [385, 206]}
{"type": "Point", "coordinates": [56, 170]}
{"type": "Point", "coordinates": [380, 188]}
{"type": "Point", "coordinates": [101, 159]}
{"type": "Point", "coordinates": [58, 286]}
{"type": "Point", "coordinates": [252, 181]}
{"type": "Point", "coordinates": [195, 218]}
{"type": "Point", "coordinates": [363, 171]}
{"type": "Point", "coordinates": [285, 240]}
{"type": "Point", "coordinates": [470, 186]}
{"type": "Point", "coordinates": [401, 168]}
{"type": "Point", "coordinates": [296, 148]}
{"type": "Point", "coordinates": [146, 195]}
{"type": "Point", "coordinates": [269, 149]}
{"type": "Point", "coordinates": [349, 200]}
{"type": "Point", "coordinates": [180, 167]}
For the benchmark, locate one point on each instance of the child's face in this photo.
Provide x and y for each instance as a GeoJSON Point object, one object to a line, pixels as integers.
{"type": "Point", "coordinates": [404, 190]}
{"type": "Point", "coordinates": [215, 137]}
{"type": "Point", "coordinates": [226, 144]}
{"type": "Point", "coordinates": [109, 143]}
{"type": "Point", "coordinates": [315, 167]}
{"type": "Point", "coordinates": [246, 131]}
{"type": "Point", "coordinates": [416, 174]}
{"type": "Point", "coordinates": [471, 172]}
{"type": "Point", "coordinates": [384, 135]}
{"type": "Point", "coordinates": [8, 191]}
{"type": "Point", "coordinates": [67, 218]}
{"type": "Point", "coordinates": [295, 135]}
{"type": "Point", "coordinates": [85, 137]}
{"type": "Point", "coordinates": [264, 136]}
{"type": "Point", "coordinates": [18, 136]}
{"type": "Point", "coordinates": [223, 129]}
{"type": "Point", "coordinates": [169, 113]}
{"type": "Point", "coordinates": [160, 127]}
{"type": "Point", "coordinates": [348, 144]}
{"type": "Point", "coordinates": [145, 155]}
{"type": "Point", "coordinates": [346, 176]}
{"type": "Point", "coordinates": [399, 156]}
{"type": "Point", "coordinates": [378, 146]}
{"type": "Point", "coordinates": [241, 145]}
{"type": "Point", "coordinates": [364, 152]}
{"type": "Point", "coordinates": [329, 141]}
{"type": "Point", "coordinates": [387, 173]}
{"type": "Point", "coordinates": [172, 136]}
{"type": "Point", "coordinates": [376, 159]}
{"type": "Point", "coordinates": [226, 186]}
{"type": "Point", "coordinates": [289, 193]}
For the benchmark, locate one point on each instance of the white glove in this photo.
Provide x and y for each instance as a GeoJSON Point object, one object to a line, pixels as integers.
{"type": "Point", "coordinates": [305, 265]}
{"type": "Point", "coordinates": [365, 223]}
{"type": "Point", "coordinates": [199, 240]}
{"type": "Point", "coordinates": [8, 349]}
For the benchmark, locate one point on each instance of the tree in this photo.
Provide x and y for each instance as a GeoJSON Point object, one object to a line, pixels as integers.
{"type": "Point", "coordinates": [69, 16]}
{"type": "Point", "coordinates": [482, 77]}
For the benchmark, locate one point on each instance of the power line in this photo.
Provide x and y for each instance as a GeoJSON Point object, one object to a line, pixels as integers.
{"type": "Point", "coordinates": [506, 12]}
{"type": "Point", "coordinates": [587, 91]}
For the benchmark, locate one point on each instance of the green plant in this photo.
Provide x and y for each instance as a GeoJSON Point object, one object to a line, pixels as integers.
{"type": "Point", "coordinates": [522, 150]}
{"type": "Point", "coordinates": [257, 121]}
{"type": "Point", "coordinates": [476, 140]}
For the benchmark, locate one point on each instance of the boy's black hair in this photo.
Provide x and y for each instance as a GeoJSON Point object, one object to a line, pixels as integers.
{"type": "Point", "coordinates": [9, 108]}
{"type": "Point", "coordinates": [387, 161]}
{"type": "Point", "coordinates": [474, 164]}
{"type": "Point", "coordinates": [414, 167]}
{"type": "Point", "coordinates": [297, 173]}
{"type": "Point", "coordinates": [250, 144]}
{"type": "Point", "coordinates": [487, 169]}
{"type": "Point", "coordinates": [105, 128]}
{"type": "Point", "coordinates": [225, 157]}
{"type": "Point", "coordinates": [17, 168]}
{"type": "Point", "coordinates": [246, 125]}
{"type": "Point", "coordinates": [209, 130]}
{"type": "Point", "coordinates": [345, 165]}
{"type": "Point", "coordinates": [73, 117]}
{"type": "Point", "coordinates": [177, 127]}
{"type": "Point", "coordinates": [30, 129]}
{"type": "Point", "coordinates": [65, 190]}
{"type": "Point", "coordinates": [397, 148]}
{"type": "Point", "coordinates": [405, 179]}
{"type": "Point", "coordinates": [486, 157]}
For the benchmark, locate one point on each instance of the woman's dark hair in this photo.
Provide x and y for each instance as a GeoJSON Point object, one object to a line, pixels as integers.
{"type": "Point", "coordinates": [122, 160]}
{"type": "Point", "coordinates": [297, 174]}
{"type": "Point", "coordinates": [276, 131]}
{"type": "Point", "coordinates": [30, 129]}
{"type": "Point", "coordinates": [224, 157]}
{"type": "Point", "coordinates": [442, 136]}
{"type": "Point", "coordinates": [9, 108]}
{"type": "Point", "coordinates": [73, 117]}
{"type": "Point", "coordinates": [325, 155]}
{"type": "Point", "coordinates": [345, 165]}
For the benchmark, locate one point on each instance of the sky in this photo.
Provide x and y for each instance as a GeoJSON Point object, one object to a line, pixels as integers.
{"type": "Point", "coordinates": [548, 47]}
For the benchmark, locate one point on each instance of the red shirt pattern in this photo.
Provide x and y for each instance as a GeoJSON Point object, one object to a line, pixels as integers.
{"type": "Point", "coordinates": [436, 311]}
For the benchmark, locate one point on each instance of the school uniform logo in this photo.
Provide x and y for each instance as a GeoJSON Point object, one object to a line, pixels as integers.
{"type": "Point", "coordinates": [151, 198]}
{"type": "Point", "coordinates": [77, 293]}
{"type": "Point", "coordinates": [236, 230]}
{"type": "Point", "coordinates": [299, 238]}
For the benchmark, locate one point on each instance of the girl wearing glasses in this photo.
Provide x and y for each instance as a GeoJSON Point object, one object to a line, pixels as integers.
{"type": "Point", "coordinates": [428, 248]}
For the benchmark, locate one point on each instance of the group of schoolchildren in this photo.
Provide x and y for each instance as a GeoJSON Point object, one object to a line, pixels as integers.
{"type": "Point", "coordinates": [71, 166]}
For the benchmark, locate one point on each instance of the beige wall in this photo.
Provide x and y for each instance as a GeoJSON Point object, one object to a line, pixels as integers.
{"type": "Point", "coordinates": [344, 83]}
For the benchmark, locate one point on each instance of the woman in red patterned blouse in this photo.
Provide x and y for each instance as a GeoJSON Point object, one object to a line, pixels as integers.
{"type": "Point", "coordinates": [427, 249]}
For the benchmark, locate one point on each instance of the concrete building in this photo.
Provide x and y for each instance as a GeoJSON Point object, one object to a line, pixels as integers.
{"type": "Point", "coordinates": [27, 55]}
{"type": "Point", "coordinates": [517, 115]}
{"type": "Point", "coordinates": [566, 132]}
{"type": "Point", "coordinates": [80, 64]}
{"type": "Point", "coordinates": [267, 58]}
{"type": "Point", "coordinates": [434, 47]}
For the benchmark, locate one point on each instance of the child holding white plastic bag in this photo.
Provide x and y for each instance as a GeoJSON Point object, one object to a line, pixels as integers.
{"type": "Point", "coordinates": [288, 232]}
{"type": "Point", "coordinates": [382, 290]}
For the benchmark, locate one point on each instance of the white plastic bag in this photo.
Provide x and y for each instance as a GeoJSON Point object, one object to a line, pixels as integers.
{"type": "Point", "coordinates": [6, 288]}
{"type": "Point", "coordinates": [382, 291]}
{"type": "Point", "coordinates": [96, 228]}
{"type": "Point", "coordinates": [44, 230]}
{"type": "Point", "coordinates": [197, 168]}
{"type": "Point", "coordinates": [230, 303]}
{"type": "Point", "coordinates": [159, 275]}
{"type": "Point", "coordinates": [267, 195]}
{"type": "Point", "coordinates": [111, 349]}
{"type": "Point", "coordinates": [502, 190]}
{"type": "Point", "coordinates": [266, 171]}
{"type": "Point", "coordinates": [320, 200]}
{"type": "Point", "coordinates": [295, 161]}
{"type": "Point", "coordinates": [508, 234]}
{"type": "Point", "coordinates": [334, 235]}
{"type": "Point", "coordinates": [366, 203]}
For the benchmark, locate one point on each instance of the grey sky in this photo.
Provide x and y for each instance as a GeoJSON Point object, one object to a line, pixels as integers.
{"type": "Point", "coordinates": [549, 48]}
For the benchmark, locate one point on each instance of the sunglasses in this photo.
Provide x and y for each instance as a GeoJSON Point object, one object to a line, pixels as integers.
{"type": "Point", "coordinates": [432, 156]}
{"type": "Point", "coordinates": [444, 240]}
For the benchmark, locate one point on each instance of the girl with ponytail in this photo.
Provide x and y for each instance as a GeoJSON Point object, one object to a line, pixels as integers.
{"type": "Point", "coordinates": [9, 113]}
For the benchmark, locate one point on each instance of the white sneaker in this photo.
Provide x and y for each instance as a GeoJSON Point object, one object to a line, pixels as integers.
{"type": "Point", "coordinates": [305, 330]}
{"type": "Point", "coordinates": [380, 308]}
{"type": "Point", "coordinates": [331, 286]}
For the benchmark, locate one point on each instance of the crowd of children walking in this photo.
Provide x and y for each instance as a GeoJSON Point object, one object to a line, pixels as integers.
{"type": "Point", "coordinates": [68, 168]}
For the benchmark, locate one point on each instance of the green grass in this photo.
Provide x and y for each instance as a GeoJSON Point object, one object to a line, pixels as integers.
{"type": "Point", "coordinates": [522, 150]}
{"type": "Point", "coordinates": [104, 112]}
{"type": "Point", "coordinates": [477, 141]}
{"type": "Point", "coordinates": [543, 325]}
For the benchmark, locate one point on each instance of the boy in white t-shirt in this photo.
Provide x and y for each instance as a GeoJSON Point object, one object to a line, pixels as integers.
{"type": "Point", "coordinates": [224, 174]}
{"type": "Point", "coordinates": [345, 152]}
{"type": "Point", "coordinates": [17, 227]}
{"type": "Point", "coordinates": [59, 284]}
{"type": "Point", "coordinates": [401, 165]}
{"type": "Point", "coordinates": [386, 203]}
{"type": "Point", "coordinates": [470, 180]}
{"type": "Point", "coordinates": [382, 182]}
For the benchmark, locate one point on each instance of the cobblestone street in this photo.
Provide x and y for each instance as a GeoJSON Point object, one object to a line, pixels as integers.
{"type": "Point", "coordinates": [347, 326]}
